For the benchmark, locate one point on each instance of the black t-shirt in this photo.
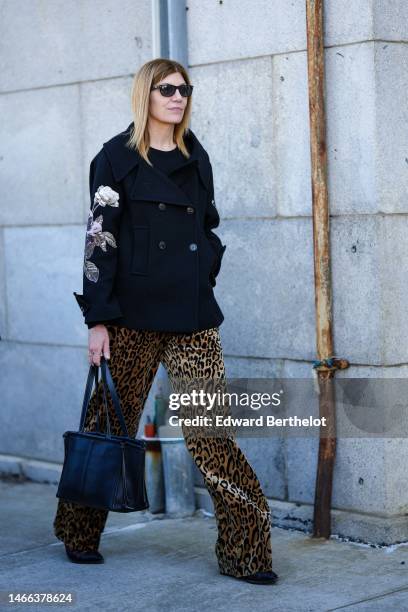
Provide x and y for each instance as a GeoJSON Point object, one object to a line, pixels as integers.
{"type": "Point", "coordinates": [165, 160]}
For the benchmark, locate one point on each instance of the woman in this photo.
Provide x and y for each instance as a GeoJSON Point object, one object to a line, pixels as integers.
{"type": "Point", "coordinates": [150, 265]}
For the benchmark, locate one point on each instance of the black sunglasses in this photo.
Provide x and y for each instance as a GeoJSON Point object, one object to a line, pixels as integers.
{"type": "Point", "coordinates": [167, 89]}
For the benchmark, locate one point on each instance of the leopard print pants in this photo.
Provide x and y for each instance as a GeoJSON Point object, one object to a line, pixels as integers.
{"type": "Point", "coordinates": [242, 513]}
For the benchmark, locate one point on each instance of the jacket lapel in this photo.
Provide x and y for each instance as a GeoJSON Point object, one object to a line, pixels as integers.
{"type": "Point", "coordinates": [151, 184]}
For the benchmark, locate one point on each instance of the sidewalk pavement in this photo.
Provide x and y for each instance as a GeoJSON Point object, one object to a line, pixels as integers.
{"type": "Point", "coordinates": [158, 563]}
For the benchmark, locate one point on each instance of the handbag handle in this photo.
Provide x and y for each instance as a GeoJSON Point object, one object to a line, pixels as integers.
{"type": "Point", "coordinates": [92, 374]}
{"type": "Point", "coordinates": [108, 381]}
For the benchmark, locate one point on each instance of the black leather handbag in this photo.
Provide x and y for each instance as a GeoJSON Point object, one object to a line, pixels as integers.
{"type": "Point", "coordinates": [102, 470]}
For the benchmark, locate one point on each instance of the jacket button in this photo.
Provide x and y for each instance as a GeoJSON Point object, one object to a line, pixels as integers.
{"type": "Point", "coordinates": [162, 206]}
{"type": "Point", "coordinates": [213, 202]}
{"type": "Point", "coordinates": [190, 209]}
{"type": "Point", "coordinates": [162, 244]}
{"type": "Point", "coordinates": [193, 246]}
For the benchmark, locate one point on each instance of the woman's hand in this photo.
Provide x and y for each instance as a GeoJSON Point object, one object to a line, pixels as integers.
{"type": "Point", "coordinates": [98, 344]}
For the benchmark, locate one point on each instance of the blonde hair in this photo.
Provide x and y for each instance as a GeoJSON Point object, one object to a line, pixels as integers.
{"type": "Point", "coordinates": [147, 76]}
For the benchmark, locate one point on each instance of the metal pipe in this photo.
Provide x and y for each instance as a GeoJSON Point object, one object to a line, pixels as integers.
{"type": "Point", "coordinates": [327, 365]}
{"type": "Point", "coordinates": [173, 30]}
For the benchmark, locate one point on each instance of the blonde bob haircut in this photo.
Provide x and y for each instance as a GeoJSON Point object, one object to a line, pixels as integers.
{"type": "Point", "coordinates": [148, 75]}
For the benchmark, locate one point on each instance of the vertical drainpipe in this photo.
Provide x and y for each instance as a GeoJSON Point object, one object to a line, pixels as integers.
{"type": "Point", "coordinates": [326, 364]}
{"type": "Point", "coordinates": [170, 30]}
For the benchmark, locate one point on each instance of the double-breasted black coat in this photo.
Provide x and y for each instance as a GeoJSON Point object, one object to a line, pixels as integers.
{"type": "Point", "coordinates": [151, 257]}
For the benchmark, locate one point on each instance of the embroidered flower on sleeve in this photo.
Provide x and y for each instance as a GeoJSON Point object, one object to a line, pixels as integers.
{"type": "Point", "coordinates": [95, 237]}
{"type": "Point", "coordinates": [106, 196]}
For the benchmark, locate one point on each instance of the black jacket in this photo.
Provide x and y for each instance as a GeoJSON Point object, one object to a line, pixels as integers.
{"type": "Point", "coordinates": [151, 257]}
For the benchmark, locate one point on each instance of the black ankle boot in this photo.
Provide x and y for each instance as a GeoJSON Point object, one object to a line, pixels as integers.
{"type": "Point", "coordinates": [261, 578]}
{"type": "Point", "coordinates": [84, 556]}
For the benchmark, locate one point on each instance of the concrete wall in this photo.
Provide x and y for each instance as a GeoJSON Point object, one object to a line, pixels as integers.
{"type": "Point", "coordinates": [64, 89]}
{"type": "Point", "coordinates": [250, 72]}
{"type": "Point", "coordinates": [65, 82]}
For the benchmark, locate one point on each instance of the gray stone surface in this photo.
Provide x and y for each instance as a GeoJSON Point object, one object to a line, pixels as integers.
{"type": "Point", "coordinates": [272, 27]}
{"type": "Point", "coordinates": [57, 43]}
{"type": "Point", "coordinates": [390, 20]}
{"type": "Point", "coordinates": [50, 402]}
{"type": "Point", "coordinates": [106, 111]}
{"type": "Point", "coordinates": [160, 563]}
{"type": "Point", "coordinates": [3, 288]}
{"type": "Point", "coordinates": [301, 465]}
{"type": "Point", "coordinates": [391, 75]}
{"type": "Point", "coordinates": [361, 476]}
{"type": "Point", "coordinates": [394, 266]}
{"type": "Point", "coordinates": [244, 179]}
{"type": "Point", "coordinates": [269, 307]}
{"type": "Point", "coordinates": [365, 148]}
{"type": "Point", "coordinates": [276, 318]}
{"type": "Point", "coordinates": [12, 466]}
{"type": "Point", "coordinates": [40, 169]}
{"type": "Point", "coordinates": [45, 405]}
{"type": "Point", "coordinates": [289, 133]}
{"type": "Point", "coordinates": [357, 280]}
{"type": "Point", "coordinates": [367, 475]}
{"type": "Point", "coordinates": [267, 456]}
{"type": "Point", "coordinates": [351, 99]}
{"type": "Point", "coordinates": [374, 529]}
{"type": "Point", "coordinates": [369, 290]}
{"type": "Point", "coordinates": [41, 305]}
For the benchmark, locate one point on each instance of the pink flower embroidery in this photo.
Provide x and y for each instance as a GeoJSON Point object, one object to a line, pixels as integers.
{"type": "Point", "coordinates": [95, 228]}
{"type": "Point", "coordinates": [95, 237]}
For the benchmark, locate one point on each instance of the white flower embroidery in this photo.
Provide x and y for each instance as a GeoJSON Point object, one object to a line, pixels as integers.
{"type": "Point", "coordinates": [104, 196]}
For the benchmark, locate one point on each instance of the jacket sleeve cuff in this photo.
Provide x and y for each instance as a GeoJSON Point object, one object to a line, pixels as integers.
{"type": "Point", "coordinates": [99, 312]}
{"type": "Point", "coordinates": [91, 325]}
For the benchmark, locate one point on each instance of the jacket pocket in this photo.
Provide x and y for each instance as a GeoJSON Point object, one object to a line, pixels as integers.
{"type": "Point", "coordinates": [140, 254]}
